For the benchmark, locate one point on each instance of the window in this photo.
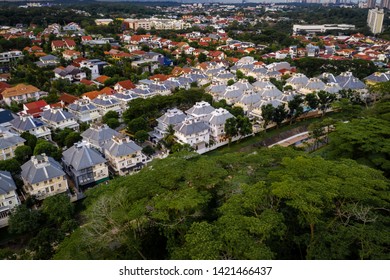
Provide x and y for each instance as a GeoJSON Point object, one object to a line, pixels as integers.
{"type": "Point", "coordinates": [10, 202]}
{"type": "Point", "coordinates": [52, 187]}
{"type": "Point", "coordinates": [47, 190]}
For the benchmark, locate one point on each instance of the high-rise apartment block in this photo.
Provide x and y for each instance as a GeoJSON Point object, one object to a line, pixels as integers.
{"type": "Point", "coordinates": [375, 20]}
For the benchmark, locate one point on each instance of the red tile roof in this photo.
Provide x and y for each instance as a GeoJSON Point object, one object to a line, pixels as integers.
{"type": "Point", "coordinates": [127, 84]}
{"type": "Point", "coordinates": [68, 98]}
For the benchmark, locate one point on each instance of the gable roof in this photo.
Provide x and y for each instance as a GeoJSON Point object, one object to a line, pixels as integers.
{"type": "Point", "coordinates": [127, 84]}
{"type": "Point", "coordinates": [18, 90]}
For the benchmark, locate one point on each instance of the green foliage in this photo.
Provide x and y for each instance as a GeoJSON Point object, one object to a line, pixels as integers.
{"type": "Point", "coordinates": [148, 150]}
{"type": "Point", "coordinates": [10, 165]}
{"type": "Point", "coordinates": [45, 147]}
{"type": "Point", "coordinates": [24, 220]}
{"type": "Point", "coordinates": [141, 136]}
{"type": "Point", "coordinates": [23, 153]}
{"type": "Point", "coordinates": [110, 115]}
{"type": "Point", "coordinates": [72, 138]}
{"type": "Point", "coordinates": [137, 124]}
{"type": "Point", "coordinates": [231, 128]}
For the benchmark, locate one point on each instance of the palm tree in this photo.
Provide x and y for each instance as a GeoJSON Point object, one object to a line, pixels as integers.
{"type": "Point", "coordinates": [169, 137]}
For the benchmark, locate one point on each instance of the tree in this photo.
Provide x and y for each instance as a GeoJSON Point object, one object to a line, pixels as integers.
{"type": "Point", "coordinates": [72, 138]}
{"type": "Point", "coordinates": [31, 140]}
{"type": "Point", "coordinates": [141, 136]}
{"type": "Point", "coordinates": [148, 150]}
{"type": "Point", "coordinates": [58, 209]}
{"type": "Point", "coordinates": [267, 113]}
{"type": "Point", "coordinates": [244, 126]}
{"type": "Point", "coordinates": [230, 82]}
{"type": "Point", "coordinates": [295, 106]}
{"type": "Point", "coordinates": [23, 153]}
{"type": "Point", "coordinates": [239, 74]}
{"type": "Point", "coordinates": [24, 220]}
{"type": "Point", "coordinates": [110, 115]}
{"type": "Point", "coordinates": [231, 128]}
{"type": "Point", "coordinates": [45, 147]}
{"type": "Point", "coordinates": [11, 165]}
{"type": "Point", "coordinates": [325, 99]}
{"type": "Point", "coordinates": [113, 123]}
{"type": "Point", "coordinates": [202, 57]}
{"type": "Point", "coordinates": [137, 124]}
{"type": "Point", "coordinates": [279, 115]}
{"type": "Point", "coordinates": [169, 138]}
{"type": "Point", "coordinates": [312, 101]}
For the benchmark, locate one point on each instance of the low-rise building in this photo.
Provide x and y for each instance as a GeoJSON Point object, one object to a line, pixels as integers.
{"type": "Point", "coordinates": [21, 93]}
{"type": "Point", "coordinates": [31, 125]}
{"type": "Point", "coordinates": [84, 165]}
{"type": "Point", "coordinates": [57, 118]}
{"type": "Point", "coordinates": [106, 103]}
{"type": "Point", "coordinates": [123, 155]}
{"type": "Point", "coordinates": [84, 111]}
{"type": "Point", "coordinates": [8, 197]}
{"type": "Point", "coordinates": [193, 132]}
{"type": "Point", "coordinates": [43, 177]}
{"type": "Point", "coordinates": [8, 143]}
{"type": "Point", "coordinates": [216, 120]}
{"type": "Point", "coordinates": [171, 118]}
{"type": "Point", "coordinates": [200, 110]}
{"type": "Point", "coordinates": [98, 135]}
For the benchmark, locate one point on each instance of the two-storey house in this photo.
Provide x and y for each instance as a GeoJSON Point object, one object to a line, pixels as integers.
{"type": "Point", "coordinates": [84, 165]}
{"type": "Point", "coordinates": [34, 126]}
{"type": "Point", "coordinates": [8, 197]}
{"type": "Point", "coordinates": [84, 111]}
{"type": "Point", "coordinates": [21, 93]}
{"type": "Point", "coordinates": [123, 155]}
{"type": "Point", "coordinates": [106, 103]}
{"type": "Point", "coordinates": [98, 135]}
{"type": "Point", "coordinates": [216, 120]}
{"type": "Point", "coordinates": [59, 118]}
{"type": "Point", "coordinates": [8, 143]}
{"type": "Point", "coordinates": [193, 132]}
{"type": "Point", "coordinates": [43, 177]}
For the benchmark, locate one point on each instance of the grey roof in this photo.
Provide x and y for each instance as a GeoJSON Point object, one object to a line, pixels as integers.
{"type": "Point", "coordinates": [260, 84]}
{"type": "Point", "coordinates": [216, 88]}
{"type": "Point", "coordinates": [225, 75]}
{"type": "Point", "coordinates": [271, 91]}
{"type": "Point", "coordinates": [378, 77]}
{"type": "Point", "coordinates": [298, 79]}
{"type": "Point", "coordinates": [99, 134]}
{"type": "Point", "coordinates": [104, 101]}
{"type": "Point", "coordinates": [243, 85]}
{"type": "Point", "coordinates": [259, 70]}
{"type": "Point", "coordinates": [250, 98]}
{"type": "Point", "coordinates": [219, 116]}
{"type": "Point", "coordinates": [56, 115]}
{"type": "Point", "coordinates": [354, 83]}
{"type": "Point", "coordinates": [7, 139]}
{"type": "Point", "coordinates": [173, 116]}
{"type": "Point", "coordinates": [26, 123]}
{"type": "Point", "coordinates": [41, 168]}
{"type": "Point", "coordinates": [69, 70]}
{"type": "Point", "coordinates": [328, 77]}
{"type": "Point", "coordinates": [48, 57]}
{"type": "Point", "coordinates": [121, 148]}
{"type": "Point", "coordinates": [125, 96]}
{"type": "Point", "coordinates": [81, 106]}
{"type": "Point", "coordinates": [232, 92]}
{"type": "Point", "coordinates": [315, 84]}
{"type": "Point", "coordinates": [343, 78]}
{"type": "Point", "coordinates": [80, 156]}
{"type": "Point", "coordinates": [332, 87]}
{"type": "Point", "coordinates": [7, 184]}
{"type": "Point", "coordinates": [200, 108]}
{"type": "Point", "coordinates": [189, 127]}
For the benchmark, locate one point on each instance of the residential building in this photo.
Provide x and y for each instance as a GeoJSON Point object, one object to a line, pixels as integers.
{"type": "Point", "coordinates": [70, 72]}
{"type": "Point", "coordinates": [34, 108]}
{"type": "Point", "coordinates": [84, 111]}
{"type": "Point", "coordinates": [57, 118]}
{"type": "Point", "coordinates": [84, 165]}
{"type": "Point", "coordinates": [106, 103]}
{"type": "Point", "coordinates": [200, 110]}
{"type": "Point", "coordinates": [216, 120]}
{"type": "Point", "coordinates": [95, 65]}
{"type": "Point", "coordinates": [371, 4]}
{"type": "Point", "coordinates": [171, 117]}
{"type": "Point", "coordinates": [21, 93]}
{"type": "Point", "coordinates": [8, 197]}
{"type": "Point", "coordinates": [297, 28]}
{"type": "Point", "coordinates": [375, 20]}
{"type": "Point", "coordinates": [123, 155]}
{"type": "Point", "coordinates": [6, 57]}
{"type": "Point", "coordinates": [6, 116]}
{"type": "Point", "coordinates": [43, 177]}
{"type": "Point", "coordinates": [48, 60]}
{"type": "Point", "coordinates": [193, 132]}
{"type": "Point", "coordinates": [8, 143]}
{"type": "Point", "coordinates": [98, 135]}
{"type": "Point", "coordinates": [124, 86]}
{"type": "Point", "coordinates": [31, 125]}
{"type": "Point", "coordinates": [103, 21]}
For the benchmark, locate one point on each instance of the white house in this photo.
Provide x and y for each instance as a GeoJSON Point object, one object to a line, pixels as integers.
{"type": "Point", "coordinates": [106, 103]}
{"type": "Point", "coordinates": [123, 155]}
{"type": "Point", "coordinates": [34, 126]}
{"type": "Point", "coordinates": [8, 197]}
{"type": "Point", "coordinates": [216, 120]}
{"type": "Point", "coordinates": [84, 111]}
{"type": "Point", "coordinates": [193, 132]}
{"type": "Point", "coordinates": [58, 118]}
